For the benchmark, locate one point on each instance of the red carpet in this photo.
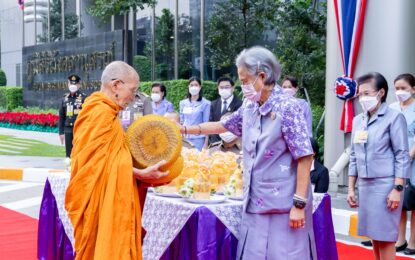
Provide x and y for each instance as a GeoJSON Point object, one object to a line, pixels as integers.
{"type": "Point", "coordinates": [18, 239]}
{"type": "Point", "coordinates": [18, 235]}
{"type": "Point", "coordinates": [352, 252]}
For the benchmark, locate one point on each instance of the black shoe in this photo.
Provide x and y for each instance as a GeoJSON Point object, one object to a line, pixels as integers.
{"type": "Point", "coordinates": [402, 247]}
{"type": "Point", "coordinates": [367, 243]}
{"type": "Point", "coordinates": [409, 251]}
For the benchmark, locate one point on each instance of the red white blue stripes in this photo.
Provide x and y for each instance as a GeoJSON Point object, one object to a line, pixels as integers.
{"type": "Point", "coordinates": [350, 16]}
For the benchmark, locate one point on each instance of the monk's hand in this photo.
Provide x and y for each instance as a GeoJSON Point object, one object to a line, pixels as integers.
{"type": "Point", "coordinates": [297, 218]}
{"type": "Point", "coordinates": [151, 172]}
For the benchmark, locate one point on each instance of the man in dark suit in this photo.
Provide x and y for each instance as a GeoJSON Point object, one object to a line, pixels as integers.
{"type": "Point", "coordinates": [319, 173]}
{"type": "Point", "coordinates": [227, 102]}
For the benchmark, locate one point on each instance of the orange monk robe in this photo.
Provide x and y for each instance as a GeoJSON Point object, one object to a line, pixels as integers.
{"type": "Point", "coordinates": [102, 198]}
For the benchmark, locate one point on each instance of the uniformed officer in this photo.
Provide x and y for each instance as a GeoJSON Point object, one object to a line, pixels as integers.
{"type": "Point", "coordinates": [141, 106]}
{"type": "Point", "coordinates": [228, 141]}
{"type": "Point", "coordinates": [69, 109]}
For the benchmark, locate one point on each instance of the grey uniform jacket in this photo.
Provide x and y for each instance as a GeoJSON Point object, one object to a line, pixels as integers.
{"type": "Point", "coordinates": [385, 153]}
{"type": "Point", "coordinates": [141, 106]}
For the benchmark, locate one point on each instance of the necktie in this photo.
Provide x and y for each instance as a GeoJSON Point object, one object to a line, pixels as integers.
{"type": "Point", "coordinates": [224, 107]}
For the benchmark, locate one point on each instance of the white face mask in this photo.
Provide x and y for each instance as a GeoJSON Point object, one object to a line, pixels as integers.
{"type": "Point", "coordinates": [155, 97]}
{"type": "Point", "coordinates": [369, 103]}
{"type": "Point", "coordinates": [402, 95]}
{"type": "Point", "coordinates": [289, 91]}
{"type": "Point", "coordinates": [225, 93]}
{"type": "Point", "coordinates": [250, 92]}
{"type": "Point", "coordinates": [193, 90]}
{"type": "Point", "coordinates": [228, 137]}
{"type": "Point", "coordinates": [73, 88]}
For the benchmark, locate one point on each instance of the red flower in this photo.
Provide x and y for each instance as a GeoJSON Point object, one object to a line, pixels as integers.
{"type": "Point", "coordinates": [24, 118]}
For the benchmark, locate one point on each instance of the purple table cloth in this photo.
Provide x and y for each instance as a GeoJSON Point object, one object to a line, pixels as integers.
{"type": "Point", "coordinates": [203, 236]}
{"type": "Point", "coordinates": [52, 241]}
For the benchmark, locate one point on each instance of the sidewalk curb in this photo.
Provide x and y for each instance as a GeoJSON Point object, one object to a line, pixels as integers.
{"type": "Point", "coordinates": [27, 174]}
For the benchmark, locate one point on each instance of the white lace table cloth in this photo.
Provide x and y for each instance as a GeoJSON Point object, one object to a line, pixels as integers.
{"type": "Point", "coordinates": [59, 184]}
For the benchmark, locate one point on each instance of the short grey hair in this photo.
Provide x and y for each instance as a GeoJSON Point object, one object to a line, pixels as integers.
{"type": "Point", "coordinates": [118, 70]}
{"type": "Point", "coordinates": [259, 59]}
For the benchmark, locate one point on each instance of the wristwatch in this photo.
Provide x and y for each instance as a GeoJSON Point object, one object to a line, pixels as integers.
{"type": "Point", "coordinates": [299, 204]}
{"type": "Point", "coordinates": [398, 187]}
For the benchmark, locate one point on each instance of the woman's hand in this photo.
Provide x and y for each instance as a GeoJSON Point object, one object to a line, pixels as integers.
{"type": "Point", "coordinates": [351, 199]}
{"type": "Point", "coordinates": [394, 199]}
{"type": "Point", "coordinates": [151, 172]}
{"type": "Point", "coordinates": [297, 218]}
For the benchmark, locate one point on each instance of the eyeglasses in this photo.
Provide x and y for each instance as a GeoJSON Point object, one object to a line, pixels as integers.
{"type": "Point", "coordinates": [133, 92]}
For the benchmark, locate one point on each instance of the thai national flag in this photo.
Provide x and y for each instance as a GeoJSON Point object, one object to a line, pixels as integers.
{"type": "Point", "coordinates": [21, 3]}
{"type": "Point", "coordinates": [350, 16]}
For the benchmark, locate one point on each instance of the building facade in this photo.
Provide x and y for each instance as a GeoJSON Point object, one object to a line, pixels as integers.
{"type": "Point", "coordinates": [170, 38]}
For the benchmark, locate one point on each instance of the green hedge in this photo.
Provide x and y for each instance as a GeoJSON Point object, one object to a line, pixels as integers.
{"type": "Point", "coordinates": [36, 110]}
{"type": "Point", "coordinates": [142, 65]}
{"type": "Point", "coordinates": [37, 128]}
{"type": "Point", "coordinates": [11, 97]}
{"type": "Point", "coordinates": [3, 79]}
{"type": "Point", "coordinates": [177, 90]}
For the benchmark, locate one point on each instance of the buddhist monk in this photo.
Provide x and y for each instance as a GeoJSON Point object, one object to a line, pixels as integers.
{"type": "Point", "coordinates": [102, 198]}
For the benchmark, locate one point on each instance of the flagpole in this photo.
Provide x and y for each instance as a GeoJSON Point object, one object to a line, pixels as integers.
{"type": "Point", "coordinates": [48, 20]}
{"type": "Point", "coordinates": [23, 31]}
{"type": "Point", "coordinates": [35, 22]}
{"type": "Point", "coordinates": [63, 18]}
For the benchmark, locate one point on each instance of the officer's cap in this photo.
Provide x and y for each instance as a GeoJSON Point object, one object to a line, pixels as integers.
{"type": "Point", "coordinates": [74, 79]}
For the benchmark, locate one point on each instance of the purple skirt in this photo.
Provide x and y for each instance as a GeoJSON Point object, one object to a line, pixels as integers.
{"type": "Point", "coordinates": [375, 220]}
{"type": "Point", "coordinates": [269, 236]}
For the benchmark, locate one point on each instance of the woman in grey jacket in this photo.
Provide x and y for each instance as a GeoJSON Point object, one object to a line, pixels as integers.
{"type": "Point", "coordinates": [380, 160]}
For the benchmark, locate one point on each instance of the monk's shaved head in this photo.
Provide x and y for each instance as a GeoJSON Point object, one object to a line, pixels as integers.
{"type": "Point", "coordinates": [118, 70]}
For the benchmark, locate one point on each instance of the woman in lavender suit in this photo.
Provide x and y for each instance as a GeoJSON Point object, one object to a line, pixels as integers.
{"type": "Point", "coordinates": [380, 161]}
{"type": "Point", "coordinates": [277, 213]}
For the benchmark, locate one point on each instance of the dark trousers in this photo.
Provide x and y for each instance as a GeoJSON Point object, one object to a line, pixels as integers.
{"type": "Point", "coordinates": [68, 143]}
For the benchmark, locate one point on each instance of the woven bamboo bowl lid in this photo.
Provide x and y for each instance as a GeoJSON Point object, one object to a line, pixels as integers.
{"type": "Point", "coordinates": [153, 138]}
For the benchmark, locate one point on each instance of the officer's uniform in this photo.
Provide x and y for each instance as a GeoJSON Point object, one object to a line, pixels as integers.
{"type": "Point", "coordinates": [141, 106]}
{"type": "Point", "coordinates": [69, 109]}
{"type": "Point", "coordinates": [219, 146]}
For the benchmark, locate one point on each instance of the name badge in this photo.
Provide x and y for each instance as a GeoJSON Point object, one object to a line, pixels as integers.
{"type": "Point", "coordinates": [125, 116]}
{"type": "Point", "coordinates": [361, 137]}
{"type": "Point", "coordinates": [69, 110]}
{"type": "Point", "coordinates": [187, 110]}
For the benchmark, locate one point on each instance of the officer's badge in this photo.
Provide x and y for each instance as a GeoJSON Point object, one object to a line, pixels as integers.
{"type": "Point", "coordinates": [73, 78]}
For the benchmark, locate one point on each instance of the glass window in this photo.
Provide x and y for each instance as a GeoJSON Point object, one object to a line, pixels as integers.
{"type": "Point", "coordinates": [189, 38]}
{"type": "Point", "coordinates": [142, 61]}
{"type": "Point", "coordinates": [164, 40]}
